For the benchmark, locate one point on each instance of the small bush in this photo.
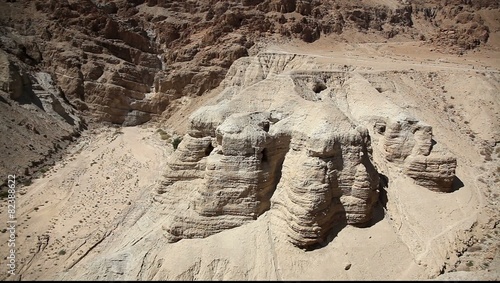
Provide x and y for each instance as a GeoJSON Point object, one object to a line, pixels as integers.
{"type": "Point", "coordinates": [176, 141]}
{"type": "Point", "coordinates": [62, 252]}
{"type": "Point", "coordinates": [3, 194]}
{"type": "Point", "coordinates": [469, 263]}
{"type": "Point", "coordinates": [163, 135]}
{"type": "Point", "coordinates": [44, 169]}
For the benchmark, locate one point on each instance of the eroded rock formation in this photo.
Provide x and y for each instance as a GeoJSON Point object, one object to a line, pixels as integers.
{"type": "Point", "coordinates": [36, 122]}
{"type": "Point", "coordinates": [124, 62]}
{"type": "Point", "coordinates": [408, 142]}
{"type": "Point", "coordinates": [314, 171]}
{"type": "Point", "coordinates": [278, 140]}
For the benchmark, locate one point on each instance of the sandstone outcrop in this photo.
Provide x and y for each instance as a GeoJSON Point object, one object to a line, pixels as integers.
{"type": "Point", "coordinates": [408, 142]}
{"type": "Point", "coordinates": [298, 153]}
{"type": "Point", "coordinates": [124, 62]}
{"type": "Point", "coordinates": [242, 159]}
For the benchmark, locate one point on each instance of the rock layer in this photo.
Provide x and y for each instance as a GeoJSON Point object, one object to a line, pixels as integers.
{"type": "Point", "coordinates": [125, 61]}
{"type": "Point", "coordinates": [280, 138]}
{"type": "Point", "coordinates": [242, 159]}
{"type": "Point", "coordinates": [408, 142]}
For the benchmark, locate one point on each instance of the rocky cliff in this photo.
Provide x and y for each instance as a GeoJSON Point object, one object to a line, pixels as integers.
{"type": "Point", "coordinates": [299, 146]}
{"type": "Point", "coordinates": [36, 120]}
{"type": "Point", "coordinates": [278, 140]}
{"type": "Point", "coordinates": [125, 61]}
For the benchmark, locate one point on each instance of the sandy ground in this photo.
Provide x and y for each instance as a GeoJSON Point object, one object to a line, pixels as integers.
{"type": "Point", "coordinates": [91, 217]}
{"type": "Point", "coordinates": [82, 198]}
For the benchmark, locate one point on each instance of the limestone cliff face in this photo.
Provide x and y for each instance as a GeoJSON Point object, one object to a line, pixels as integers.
{"type": "Point", "coordinates": [310, 165]}
{"type": "Point", "coordinates": [328, 182]}
{"type": "Point", "coordinates": [36, 121]}
{"type": "Point", "coordinates": [125, 61]}
{"type": "Point", "coordinates": [284, 138]}
{"type": "Point", "coordinates": [408, 142]}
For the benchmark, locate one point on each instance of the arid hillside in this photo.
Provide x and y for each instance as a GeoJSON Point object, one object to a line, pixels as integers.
{"type": "Point", "coordinates": [126, 62]}
{"type": "Point", "coordinates": [186, 139]}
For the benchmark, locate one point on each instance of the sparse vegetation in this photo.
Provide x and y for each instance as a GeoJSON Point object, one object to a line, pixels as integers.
{"type": "Point", "coordinates": [163, 135]}
{"type": "Point", "coordinates": [27, 182]}
{"type": "Point", "coordinates": [486, 152]}
{"type": "Point", "coordinates": [176, 141]}
{"type": "Point", "coordinates": [469, 263]}
{"type": "Point", "coordinates": [61, 252]}
{"type": "Point", "coordinates": [3, 194]}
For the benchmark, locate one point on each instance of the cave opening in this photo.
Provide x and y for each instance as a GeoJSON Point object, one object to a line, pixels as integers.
{"type": "Point", "coordinates": [266, 127]}
{"type": "Point", "coordinates": [209, 149]}
{"type": "Point", "coordinates": [383, 185]}
{"type": "Point", "coordinates": [319, 87]}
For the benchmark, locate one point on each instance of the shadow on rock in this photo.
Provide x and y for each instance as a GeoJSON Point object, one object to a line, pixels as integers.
{"type": "Point", "coordinates": [456, 184]}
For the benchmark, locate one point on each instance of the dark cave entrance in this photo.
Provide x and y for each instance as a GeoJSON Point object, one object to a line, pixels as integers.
{"type": "Point", "coordinates": [209, 149]}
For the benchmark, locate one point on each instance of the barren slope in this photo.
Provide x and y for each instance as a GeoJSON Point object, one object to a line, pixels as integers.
{"type": "Point", "coordinates": [83, 202]}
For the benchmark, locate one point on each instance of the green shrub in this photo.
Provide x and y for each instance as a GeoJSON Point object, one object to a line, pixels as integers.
{"type": "Point", "coordinates": [163, 135]}
{"type": "Point", "coordinates": [176, 141]}
{"type": "Point", "coordinates": [62, 252]}
{"type": "Point", "coordinates": [3, 194]}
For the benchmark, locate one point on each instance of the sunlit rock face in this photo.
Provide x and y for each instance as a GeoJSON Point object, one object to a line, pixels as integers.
{"type": "Point", "coordinates": [271, 143]}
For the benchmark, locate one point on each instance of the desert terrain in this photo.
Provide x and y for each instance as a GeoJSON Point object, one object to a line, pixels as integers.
{"type": "Point", "coordinates": [229, 182]}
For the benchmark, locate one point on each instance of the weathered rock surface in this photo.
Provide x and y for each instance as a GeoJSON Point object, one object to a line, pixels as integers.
{"type": "Point", "coordinates": [125, 62]}
{"type": "Point", "coordinates": [409, 142]}
{"type": "Point", "coordinates": [435, 173]}
{"type": "Point", "coordinates": [243, 159]}
{"type": "Point", "coordinates": [36, 120]}
{"type": "Point", "coordinates": [298, 153]}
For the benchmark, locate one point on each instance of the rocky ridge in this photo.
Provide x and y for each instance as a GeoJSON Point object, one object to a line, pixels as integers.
{"type": "Point", "coordinates": [36, 120]}
{"type": "Point", "coordinates": [126, 61]}
{"type": "Point", "coordinates": [277, 140]}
